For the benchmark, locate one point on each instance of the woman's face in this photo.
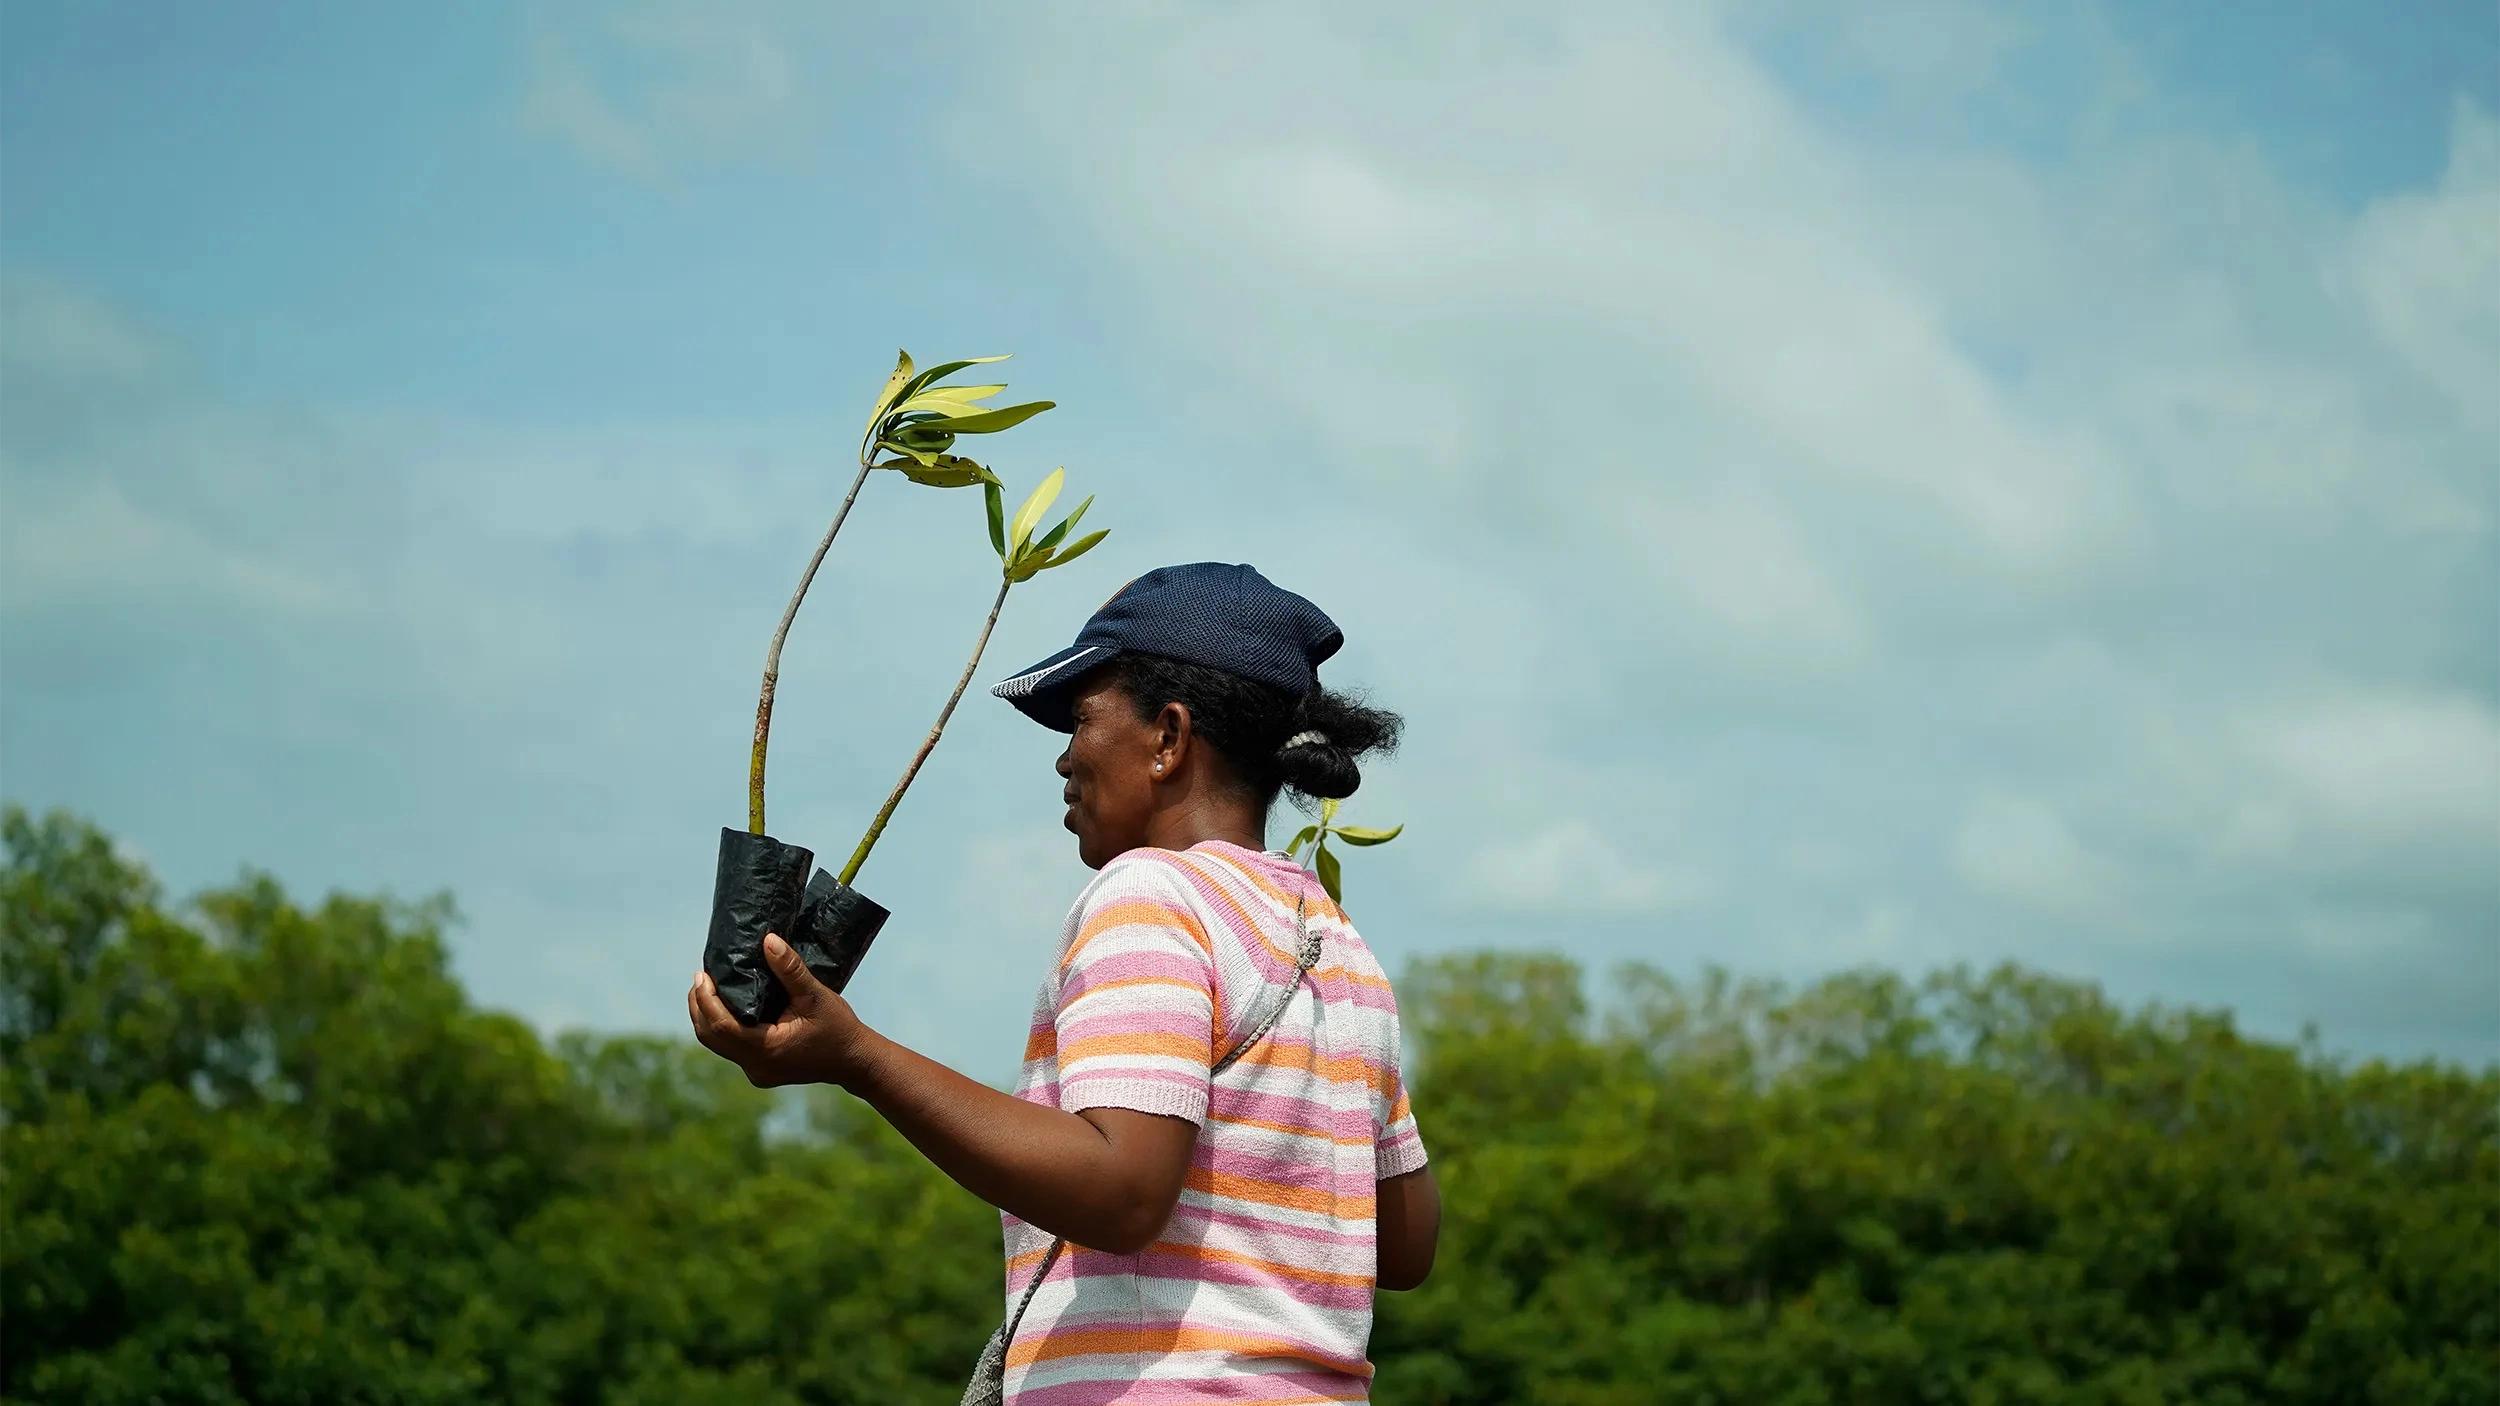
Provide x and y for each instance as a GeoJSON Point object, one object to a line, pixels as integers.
{"type": "Point", "coordinates": [1112, 768]}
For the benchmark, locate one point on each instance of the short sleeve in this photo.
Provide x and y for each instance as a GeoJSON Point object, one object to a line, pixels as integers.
{"type": "Point", "coordinates": [1135, 1019]}
{"type": "Point", "coordinates": [1396, 1147]}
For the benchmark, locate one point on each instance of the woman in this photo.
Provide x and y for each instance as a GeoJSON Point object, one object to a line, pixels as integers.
{"type": "Point", "coordinates": [1225, 1223]}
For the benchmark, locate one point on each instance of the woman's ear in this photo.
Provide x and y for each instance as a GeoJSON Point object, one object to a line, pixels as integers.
{"type": "Point", "coordinates": [1172, 738]}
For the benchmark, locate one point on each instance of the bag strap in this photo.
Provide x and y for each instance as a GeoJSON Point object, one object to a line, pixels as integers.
{"type": "Point", "coordinates": [1306, 956]}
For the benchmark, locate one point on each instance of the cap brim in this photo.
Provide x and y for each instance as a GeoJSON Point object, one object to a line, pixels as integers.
{"type": "Point", "coordinates": [1046, 692]}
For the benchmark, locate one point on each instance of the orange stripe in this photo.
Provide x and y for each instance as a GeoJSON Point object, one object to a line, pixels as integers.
{"type": "Point", "coordinates": [1090, 1341]}
{"type": "Point", "coordinates": [1326, 908]}
{"type": "Point", "coordinates": [1256, 921]}
{"type": "Point", "coordinates": [1326, 911]}
{"type": "Point", "coordinates": [1342, 1069]}
{"type": "Point", "coordinates": [1030, 1258]}
{"type": "Point", "coordinates": [1189, 919]}
{"type": "Point", "coordinates": [1131, 1046]}
{"type": "Point", "coordinates": [1259, 923]}
{"type": "Point", "coordinates": [1129, 981]}
{"type": "Point", "coordinates": [1137, 912]}
{"type": "Point", "coordinates": [1288, 1128]}
{"type": "Point", "coordinates": [1203, 1255]}
{"type": "Point", "coordinates": [1276, 1193]}
{"type": "Point", "coordinates": [1215, 998]}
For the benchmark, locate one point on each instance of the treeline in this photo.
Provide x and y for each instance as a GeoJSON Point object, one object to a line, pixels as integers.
{"type": "Point", "coordinates": [262, 1152]}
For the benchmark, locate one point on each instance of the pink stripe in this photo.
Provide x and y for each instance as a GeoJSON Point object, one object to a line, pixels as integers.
{"type": "Point", "coordinates": [1184, 1391]}
{"type": "Point", "coordinates": [1337, 989]}
{"type": "Point", "coordinates": [1280, 1120]}
{"type": "Point", "coordinates": [1332, 976]}
{"type": "Point", "coordinates": [1180, 915]}
{"type": "Point", "coordinates": [1168, 1317]}
{"type": "Point", "coordinates": [1290, 1347]}
{"type": "Point", "coordinates": [1363, 1240]}
{"type": "Point", "coordinates": [1121, 966]}
{"type": "Point", "coordinates": [1273, 964]}
{"type": "Point", "coordinates": [1137, 1020]}
{"type": "Point", "coordinates": [1079, 1077]}
{"type": "Point", "coordinates": [1149, 1266]}
{"type": "Point", "coordinates": [1306, 1113]}
{"type": "Point", "coordinates": [1291, 1171]}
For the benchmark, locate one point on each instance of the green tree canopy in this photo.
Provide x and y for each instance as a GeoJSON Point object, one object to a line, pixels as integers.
{"type": "Point", "coordinates": [263, 1152]}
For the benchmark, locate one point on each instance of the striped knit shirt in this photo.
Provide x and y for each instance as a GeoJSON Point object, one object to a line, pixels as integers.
{"type": "Point", "coordinates": [1260, 1288]}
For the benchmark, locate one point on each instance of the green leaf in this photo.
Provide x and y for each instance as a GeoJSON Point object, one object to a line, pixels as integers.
{"type": "Point", "coordinates": [894, 391]}
{"type": "Point", "coordinates": [1302, 837]}
{"type": "Point", "coordinates": [926, 436]}
{"type": "Point", "coordinates": [935, 374]}
{"type": "Point", "coordinates": [1327, 813]}
{"type": "Point", "coordinates": [1083, 545]}
{"type": "Point", "coordinates": [1034, 506]}
{"type": "Point", "coordinates": [948, 400]}
{"type": "Point", "coordinates": [925, 457]}
{"type": "Point", "coordinates": [1330, 877]}
{"type": "Point", "coordinates": [1359, 835]}
{"type": "Point", "coordinates": [949, 471]}
{"type": "Point", "coordinates": [992, 421]}
{"type": "Point", "coordinates": [1053, 537]}
{"type": "Point", "coordinates": [997, 507]}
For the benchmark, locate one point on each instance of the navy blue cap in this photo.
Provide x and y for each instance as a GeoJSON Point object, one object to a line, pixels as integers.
{"type": "Point", "coordinates": [1223, 617]}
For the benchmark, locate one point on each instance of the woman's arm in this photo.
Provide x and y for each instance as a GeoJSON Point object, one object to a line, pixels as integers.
{"type": "Point", "coordinates": [1106, 1178]}
{"type": "Point", "coordinates": [1409, 1227]}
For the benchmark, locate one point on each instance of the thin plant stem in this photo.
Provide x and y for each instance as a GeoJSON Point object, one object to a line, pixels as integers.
{"type": "Point", "coordinates": [772, 657]}
{"type": "Point", "coordinates": [868, 841]}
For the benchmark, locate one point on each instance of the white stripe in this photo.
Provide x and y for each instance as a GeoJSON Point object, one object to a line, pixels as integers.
{"type": "Point", "coordinates": [1009, 688]}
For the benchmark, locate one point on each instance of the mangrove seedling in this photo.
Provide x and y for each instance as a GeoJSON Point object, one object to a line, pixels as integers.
{"type": "Point", "coordinates": [1021, 557]}
{"type": "Point", "coordinates": [1323, 859]}
{"type": "Point", "coordinates": [913, 431]}
{"type": "Point", "coordinates": [761, 885]}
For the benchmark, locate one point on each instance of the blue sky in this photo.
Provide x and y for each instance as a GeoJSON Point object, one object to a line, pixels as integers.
{"type": "Point", "coordinates": [1963, 483]}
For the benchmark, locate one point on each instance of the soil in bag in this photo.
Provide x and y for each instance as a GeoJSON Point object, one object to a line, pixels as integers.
{"type": "Point", "coordinates": [756, 890]}
{"type": "Point", "coordinates": [836, 924]}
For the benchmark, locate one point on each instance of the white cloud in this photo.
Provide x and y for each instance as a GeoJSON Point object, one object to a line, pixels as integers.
{"type": "Point", "coordinates": [1682, 449]}
{"type": "Point", "coordinates": [1784, 389]}
{"type": "Point", "coordinates": [1571, 868]}
{"type": "Point", "coordinates": [1683, 207]}
{"type": "Point", "coordinates": [50, 331]}
{"type": "Point", "coordinates": [1886, 931]}
{"type": "Point", "coordinates": [970, 968]}
{"type": "Point", "coordinates": [1932, 48]}
{"type": "Point", "coordinates": [1742, 562]}
{"type": "Point", "coordinates": [2428, 268]}
{"type": "Point", "coordinates": [2376, 768]}
{"type": "Point", "coordinates": [648, 87]}
{"type": "Point", "coordinates": [563, 102]}
{"type": "Point", "coordinates": [2018, 848]}
{"type": "Point", "coordinates": [93, 543]}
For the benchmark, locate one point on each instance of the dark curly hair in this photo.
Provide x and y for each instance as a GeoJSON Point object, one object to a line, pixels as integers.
{"type": "Point", "coordinates": [1249, 724]}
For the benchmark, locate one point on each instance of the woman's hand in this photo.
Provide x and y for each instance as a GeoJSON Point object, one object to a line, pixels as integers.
{"type": "Point", "coordinates": [1107, 1178]}
{"type": "Point", "coordinates": [817, 1040]}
